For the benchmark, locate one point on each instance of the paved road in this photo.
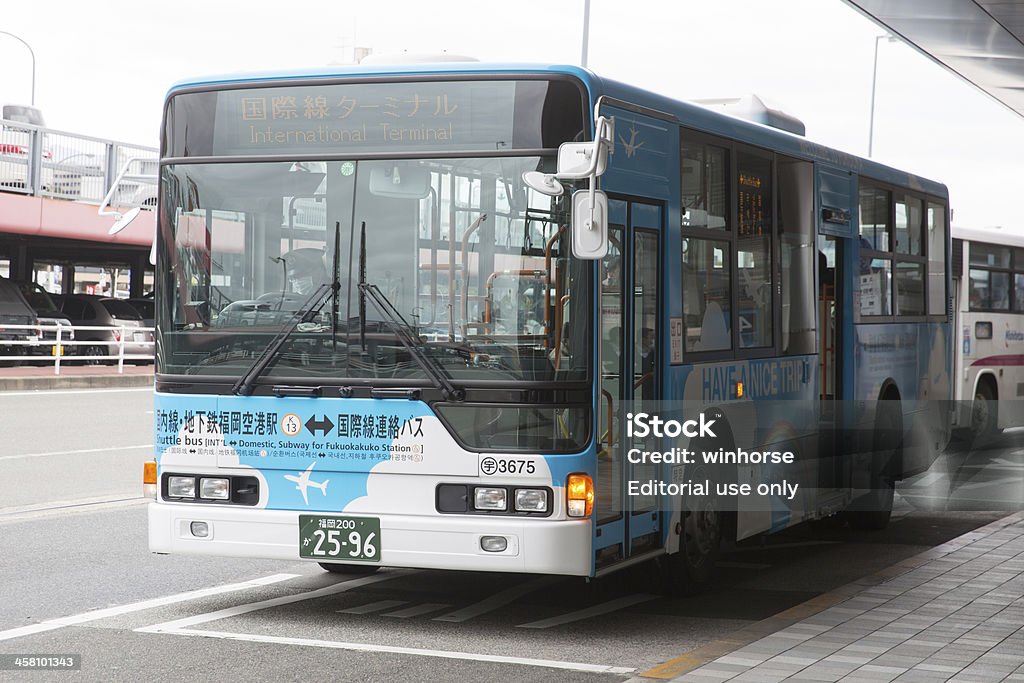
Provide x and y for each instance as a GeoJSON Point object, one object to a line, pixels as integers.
{"type": "Point", "coordinates": [73, 445]}
{"type": "Point", "coordinates": [972, 476]}
{"type": "Point", "coordinates": [134, 615]}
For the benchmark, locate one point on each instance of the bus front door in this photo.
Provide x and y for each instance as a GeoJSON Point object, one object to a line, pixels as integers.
{"type": "Point", "coordinates": [631, 366]}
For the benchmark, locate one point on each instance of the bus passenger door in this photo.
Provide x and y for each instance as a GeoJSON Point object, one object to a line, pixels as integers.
{"type": "Point", "coordinates": [830, 286]}
{"type": "Point", "coordinates": [631, 365]}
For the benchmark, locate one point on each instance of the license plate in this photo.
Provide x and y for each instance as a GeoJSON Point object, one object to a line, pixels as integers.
{"type": "Point", "coordinates": [345, 539]}
{"type": "Point", "coordinates": [140, 336]}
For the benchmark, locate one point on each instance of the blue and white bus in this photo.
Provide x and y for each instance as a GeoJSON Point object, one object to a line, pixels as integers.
{"type": "Point", "coordinates": [403, 312]}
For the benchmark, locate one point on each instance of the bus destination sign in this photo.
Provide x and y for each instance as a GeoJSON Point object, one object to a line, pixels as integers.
{"type": "Point", "coordinates": [378, 117]}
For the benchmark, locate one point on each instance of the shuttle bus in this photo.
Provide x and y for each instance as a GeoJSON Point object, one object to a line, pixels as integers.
{"type": "Point", "coordinates": [416, 316]}
{"type": "Point", "coordinates": [988, 282]}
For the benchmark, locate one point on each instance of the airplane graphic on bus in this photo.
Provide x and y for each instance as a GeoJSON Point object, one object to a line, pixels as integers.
{"type": "Point", "coordinates": [302, 482]}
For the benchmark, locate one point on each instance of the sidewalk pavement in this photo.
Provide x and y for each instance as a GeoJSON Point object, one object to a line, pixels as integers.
{"type": "Point", "coordinates": [28, 378]}
{"type": "Point", "coordinates": [953, 613]}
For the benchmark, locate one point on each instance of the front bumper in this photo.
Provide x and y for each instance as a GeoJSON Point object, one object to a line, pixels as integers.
{"type": "Point", "coordinates": [541, 546]}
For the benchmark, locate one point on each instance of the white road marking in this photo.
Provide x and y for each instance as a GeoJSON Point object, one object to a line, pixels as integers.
{"type": "Point", "coordinates": [985, 484]}
{"type": "Point", "coordinates": [81, 450]}
{"type": "Point", "coordinates": [178, 624]}
{"type": "Point", "coordinates": [371, 607]}
{"type": "Point", "coordinates": [926, 479]}
{"type": "Point", "coordinates": [417, 610]}
{"type": "Point", "coordinates": [22, 512]}
{"type": "Point", "coordinates": [995, 464]}
{"type": "Point", "coordinates": [368, 647]}
{"type": "Point", "coordinates": [95, 615]}
{"type": "Point", "coordinates": [603, 608]}
{"type": "Point", "coordinates": [497, 600]}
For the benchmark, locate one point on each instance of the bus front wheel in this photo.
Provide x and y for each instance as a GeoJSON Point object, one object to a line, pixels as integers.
{"type": "Point", "coordinates": [984, 418]}
{"type": "Point", "coordinates": [700, 537]}
{"type": "Point", "coordinates": [873, 510]}
{"type": "Point", "coordinates": [349, 568]}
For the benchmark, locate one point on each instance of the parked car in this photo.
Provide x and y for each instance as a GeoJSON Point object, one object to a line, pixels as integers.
{"type": "Point", "coordinates": [99, 311]}
{"type": "Point", "coordinates": [145, 307]}
{"type": "Point", "coordinates": [14, 310]}
{"type": "Point", "coordinates": [49, 317]}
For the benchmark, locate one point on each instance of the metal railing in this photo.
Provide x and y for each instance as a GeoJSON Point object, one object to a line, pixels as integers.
{"type": "Point", "coordinates": [61, 349]}
{"type": "Point", "coordinates": [50, 163]}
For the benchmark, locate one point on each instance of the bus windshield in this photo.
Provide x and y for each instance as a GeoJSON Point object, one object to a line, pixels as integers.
{"type": "Point", "coordinates": [455, 254]}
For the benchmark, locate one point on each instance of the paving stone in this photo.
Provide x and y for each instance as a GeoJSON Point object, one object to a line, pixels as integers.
{"type": "Point", "coordinates": [740, 660]}
{"type": "Point", "coordinates": [790, 659]}
{"type": "Point", "coordinates": [759, 677]}
{"type": "Point", "coordinates": [705, 675]}
{"type": "Point", "coordinates": [899, 661]}
{"type": "Point", "coordinates": [915, 676]}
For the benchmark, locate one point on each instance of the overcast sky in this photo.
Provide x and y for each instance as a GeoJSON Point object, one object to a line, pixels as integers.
{"type": "Point", "coordinates": [103, 67]}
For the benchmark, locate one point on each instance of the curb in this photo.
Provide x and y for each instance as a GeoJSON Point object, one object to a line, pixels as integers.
{"type": "Point", "coordinates": [709, 652]}
{"type": "Point", "coordinates": [74, 382]}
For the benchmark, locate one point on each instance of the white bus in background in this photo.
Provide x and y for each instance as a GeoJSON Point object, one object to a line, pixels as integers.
{"type": "Point", "coordinates": [988, 272]}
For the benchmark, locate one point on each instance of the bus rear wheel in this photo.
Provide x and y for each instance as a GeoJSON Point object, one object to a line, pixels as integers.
{"type": "Point", "coordinates": [349, 568]}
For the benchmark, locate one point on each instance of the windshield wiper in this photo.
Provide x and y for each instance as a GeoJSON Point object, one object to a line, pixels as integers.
{"type": "Point", "coordinates": [316, 300]}
{"type": "Point", "coordinates": [407, 336]}
{"type": "Point", "coordinates": [244, 385]}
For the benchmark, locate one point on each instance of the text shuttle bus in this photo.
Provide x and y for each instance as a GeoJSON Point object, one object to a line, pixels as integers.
{"type": "Point", "coordinates": [988, 279]}
{"type": "Point", "coordinates": [393, 329]}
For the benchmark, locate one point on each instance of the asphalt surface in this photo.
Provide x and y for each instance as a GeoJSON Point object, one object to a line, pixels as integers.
{"type": "Point", "coordinates": [73, 539]}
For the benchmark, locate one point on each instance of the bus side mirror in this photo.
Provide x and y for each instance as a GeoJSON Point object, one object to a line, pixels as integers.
{"type": "Point", "coordinates": [589, 224]}
{"type": "Point", "coordinates": [577, 161]}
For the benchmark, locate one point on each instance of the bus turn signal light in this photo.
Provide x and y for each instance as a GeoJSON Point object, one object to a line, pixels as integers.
{"type": "Point", "coordinates": [149, 479]}
{"type": "Point", "coordinates": [579, 493]}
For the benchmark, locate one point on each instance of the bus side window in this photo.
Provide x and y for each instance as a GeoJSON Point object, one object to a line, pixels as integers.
{"type": "Point", "coordinates": [706, 296]}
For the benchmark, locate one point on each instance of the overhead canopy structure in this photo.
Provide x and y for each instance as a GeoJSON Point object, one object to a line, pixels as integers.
{"type": "Point", "coordinates": [980, 40]}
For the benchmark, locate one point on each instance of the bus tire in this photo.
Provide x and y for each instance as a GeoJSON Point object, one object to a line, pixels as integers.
{"type": "Point", "coordinates": [874, 510]}
{"type": "Point", "coordinates": [700, 538]}
{"type": "Point", "coordinates": [984, 411]}
{"type": "Point", "coordinates": [349, 568]}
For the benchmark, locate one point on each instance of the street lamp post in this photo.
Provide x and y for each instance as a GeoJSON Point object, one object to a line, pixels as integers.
{"type": "Point", "coordinates": [874, 81]}
{"type": "Point", "coordinates": [20, 40]}
{"type": "Point", "coordinates": [586, 32]}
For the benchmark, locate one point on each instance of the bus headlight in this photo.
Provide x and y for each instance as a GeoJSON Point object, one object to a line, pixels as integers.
{"type": "Point", "coordinates": [490, 499]}
{"type": "Point", "coordinates": [215, 489]}
{"type": "Point", "coordinates": [579, 495]}
{"type": "Point", "coordinates": [181, 487]}
{"type": "Point", "coordinates": [531, 500]}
